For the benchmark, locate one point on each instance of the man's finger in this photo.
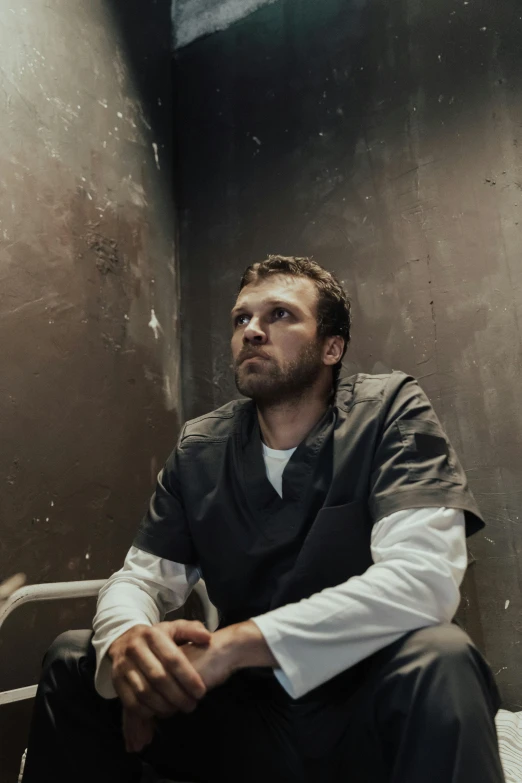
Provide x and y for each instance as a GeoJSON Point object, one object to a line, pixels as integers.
{"type": "Point", "coordinates": [189, 631]}
{"type": "Point", "coordinates": [129, 700]}
{"type": "Point", "coordinates": [161, 682]}
{"type": "Point", "coordinates": [152, 699]}
{"type": "Point", "coordinates": [137, 732]}
{"type": "Point", "coordinates": [176, 664]}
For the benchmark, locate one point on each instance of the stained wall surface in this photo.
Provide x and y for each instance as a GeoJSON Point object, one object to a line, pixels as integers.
{"type": "Point", "coordinates": [384, 139]}
{"type": "Point", "coordinates": [89, 360]}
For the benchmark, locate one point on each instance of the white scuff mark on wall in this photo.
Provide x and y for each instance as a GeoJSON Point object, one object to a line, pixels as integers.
{"type": "Point", "coordinates": [145, 121]}
{"type": "Point", "coordinates": [507, 604]}
{"type": "Point", "coordinates": [136, 192]}
{"type": "Point", "coordinates": [194, 18]}
{"type": "Point", "coordinates": [155, 324]}
{"type": "Point", "coordinates": [120, 67]}
{"type": "Point", "coordinates": [68, 114]}
{"type": "Point", "coordinates": [257, 141]}
{"type": "Point", "coordinates": [167, 391]}
{"type": "Point", "coordinates": [29, 304]}
{"type": "Point", "coordinates": [171, 379]}
{"type": "Point", "coordinates": [156, 156]}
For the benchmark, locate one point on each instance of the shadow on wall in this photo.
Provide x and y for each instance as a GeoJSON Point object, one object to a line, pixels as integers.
{"type": "Point", "coordinates": [384, 140]}
{"type": "Point", "coordinates": [272, 114]}
{"type": "Point", "coordinates": [146, 30]}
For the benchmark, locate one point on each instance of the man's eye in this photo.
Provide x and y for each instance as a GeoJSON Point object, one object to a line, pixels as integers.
{"type": "Point", "coordinates": [280, 312]}
{"type": "Point", "coordinates": [241, 320]}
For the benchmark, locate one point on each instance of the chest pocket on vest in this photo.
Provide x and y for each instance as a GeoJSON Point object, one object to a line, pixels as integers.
{"type": "Point", "coordinates": [336, 548]}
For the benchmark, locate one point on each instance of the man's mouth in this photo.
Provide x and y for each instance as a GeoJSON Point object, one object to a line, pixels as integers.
{"type": "Point", "coordinates": [248, 356]}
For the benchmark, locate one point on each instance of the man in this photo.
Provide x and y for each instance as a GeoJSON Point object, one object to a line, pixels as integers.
{"type": "Point", "coordinates": [328, 520]}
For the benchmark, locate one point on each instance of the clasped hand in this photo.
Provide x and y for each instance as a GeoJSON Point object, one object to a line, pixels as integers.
{"type": "Point", "coordinates": [163, 669]}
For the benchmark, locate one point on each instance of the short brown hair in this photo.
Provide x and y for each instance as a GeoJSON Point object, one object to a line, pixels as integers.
{"type": "Point", "coordinates": [334, 317]}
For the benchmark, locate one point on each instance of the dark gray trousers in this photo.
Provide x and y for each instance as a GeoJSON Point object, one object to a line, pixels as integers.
{"type": "Point", "coordinates": [423, 713]}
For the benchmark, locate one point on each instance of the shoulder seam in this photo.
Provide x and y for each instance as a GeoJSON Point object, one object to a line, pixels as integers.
{"type": "Point", "coordinates": [211, 415]}
{"type": "Point", "coordinates": [206, 438]}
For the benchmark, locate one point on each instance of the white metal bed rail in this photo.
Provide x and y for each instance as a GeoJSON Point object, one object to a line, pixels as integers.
{"type": "Point", "coordinates": [84, 589]}
{"type": "Point", "coordinates": [47, 592]}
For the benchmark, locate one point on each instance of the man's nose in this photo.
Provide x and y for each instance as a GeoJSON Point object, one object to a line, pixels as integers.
{"type": "Point", "coordinates": [254, 333]}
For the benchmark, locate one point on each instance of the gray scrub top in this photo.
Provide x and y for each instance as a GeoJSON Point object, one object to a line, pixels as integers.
{"type": "Point", "coordinates": [379, 448]}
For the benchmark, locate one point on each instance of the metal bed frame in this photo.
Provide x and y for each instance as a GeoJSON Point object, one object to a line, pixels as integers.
{"type": "Point", "coordinates": [54, 591]}
{"type": "Point", "coordinates": [84, 589]}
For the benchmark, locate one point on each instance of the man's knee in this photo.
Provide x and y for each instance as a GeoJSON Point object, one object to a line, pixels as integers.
{"type": "Point", "coordinates": [66, 651]}
{"type": "Point", "coordinates": [441, 659]}
{"type": "Point", "coordinates": [446, 643]}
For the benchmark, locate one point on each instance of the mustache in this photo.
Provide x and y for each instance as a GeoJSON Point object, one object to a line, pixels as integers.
{"type": "Point", "coordinates": [250, 354]}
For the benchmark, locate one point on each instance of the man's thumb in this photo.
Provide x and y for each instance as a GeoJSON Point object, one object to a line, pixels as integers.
{"type": "Point", "coordinates": [189, 631]}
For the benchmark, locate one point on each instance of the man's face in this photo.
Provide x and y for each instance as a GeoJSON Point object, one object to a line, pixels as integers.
{"type": "Point", "coordinates": [276, 350]}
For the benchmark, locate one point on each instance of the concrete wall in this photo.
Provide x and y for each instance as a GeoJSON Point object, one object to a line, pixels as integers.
{"type": "Point", "coordinates": [384, 138]}
{"type": "Point", "coordinates": [89, 366]}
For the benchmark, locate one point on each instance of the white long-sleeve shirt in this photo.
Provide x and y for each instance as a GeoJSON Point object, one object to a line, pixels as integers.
{"type": "Point", "coordinates": [419, 560]}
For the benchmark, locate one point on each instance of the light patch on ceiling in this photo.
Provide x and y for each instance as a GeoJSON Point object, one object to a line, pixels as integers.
{"type": "Point", "coordinates": [195, 18]}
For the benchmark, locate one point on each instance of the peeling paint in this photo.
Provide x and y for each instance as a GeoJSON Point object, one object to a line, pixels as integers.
{"type": "Point", "coordinates": [155, 325]}
{"type": "Point", "coordinates": [156, 155]}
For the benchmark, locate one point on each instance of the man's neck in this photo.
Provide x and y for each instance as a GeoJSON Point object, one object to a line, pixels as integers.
{"type": "Point", "coordinates": [284, 426]}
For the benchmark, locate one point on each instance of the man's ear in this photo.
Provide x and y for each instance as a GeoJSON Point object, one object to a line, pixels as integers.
{"type": "Point", "coordinates": [333, 350]}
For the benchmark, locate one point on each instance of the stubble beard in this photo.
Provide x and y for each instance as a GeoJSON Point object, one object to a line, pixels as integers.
{"type": "Point", "coordinates": [268, 384]}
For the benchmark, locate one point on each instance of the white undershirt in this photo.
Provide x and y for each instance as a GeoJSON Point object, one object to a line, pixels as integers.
{"type": "Point", "coordinates": [419, 559]}
{"type": "Point", "coordinates": [275, 463]}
